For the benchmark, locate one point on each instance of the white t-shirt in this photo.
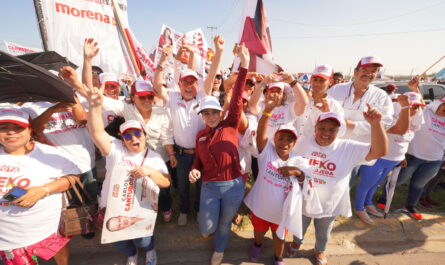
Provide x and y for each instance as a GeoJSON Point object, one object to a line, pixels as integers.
{"type": "Point", "coordinates": [247, 144]}
{"type": "Point", "coordinates": [305, 123]}
{"type": "Point", "coordinates": [283, 114]}
{"type": "Point", "coordinates": [330, 170]}
{"type": "Point", "coordinates": [21, 227]}
{"type": "Point", "coordinates": [374, 96]}
{"type": "Point", "coordinates": [185, 118]}
{"type": "Point", "coordinates": [120, 161]}
{"type": "Point", "coordinates": [429, 141]}
{"type": "Point", "coordinates": [267, 195]}
{"type": "Point", "coordinates": [398, 144]}
{"type": "Point", "coordinates": [158, 128]}
{"type": "Point", "coordinates": [66, 134]}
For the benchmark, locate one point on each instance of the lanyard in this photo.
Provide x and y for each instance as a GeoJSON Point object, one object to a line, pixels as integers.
{"type": "Point", "coordinates": [349, 95]}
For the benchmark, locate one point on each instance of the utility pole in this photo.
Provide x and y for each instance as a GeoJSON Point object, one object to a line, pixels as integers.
{"type": "Point", "coordinates": [212, 28]}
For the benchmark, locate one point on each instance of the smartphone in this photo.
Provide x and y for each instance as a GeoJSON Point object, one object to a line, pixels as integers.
{"type": "Point", "coordinates": [14, 194]}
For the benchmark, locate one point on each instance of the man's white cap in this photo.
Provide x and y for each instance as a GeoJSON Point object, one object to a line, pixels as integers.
{"type": "Point", "coordinates": [186, 73]}
{"type": "Point", "coordinates": [370, 60]}
{"type": "Point", "coordinates": [324, 71]}
{"type": "Point", "coordinates": [288, 128]}
{"type": "Point", "coordinates": [414, 99]}
{"type": "Point", "coordinates": [209, 102]}
{"type": "Point", "coordinates": [108, 78]}
{"type": "Point", "coordinates": [16, 116]}
{"type": "Point", "coordinates": [277, 84]}
{"type": "Point", "coordinates": [130, 124]}
{"type": "Point", "coordinates": [142, 88]}
{"type": "Point", "coordinates": [329, 116]}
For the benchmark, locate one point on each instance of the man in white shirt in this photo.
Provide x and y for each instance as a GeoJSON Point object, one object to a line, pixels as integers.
{"type": "Point", "coordinates": [355, 97]}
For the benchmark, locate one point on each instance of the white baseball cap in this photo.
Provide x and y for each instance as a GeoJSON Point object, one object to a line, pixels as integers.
{"type": "Point", "coordinates": [324, 71]}
{"type": "Point", "coordinates": [288, 128]}
{"type": "Point", "coordinates": [130, 124]}
{"type": "Point", "coordinates": [414, 99]}
{"type": "Point", "coordinates": [142, 88]}
{"type": "Point", "coordinates": [16, 116]}
{"type": "Point", "coordinates": [186, 73]}
{"type": "Point", "coordinates": [209, 102]}
{"type": "Point", "coordinates": [329, 116]}
{"type": "Point", "coordinates": [370, 60]}
{"type": "Point", "coordinates": [108, 78]}
{"type": "Point", "coordinates": [276, 84]}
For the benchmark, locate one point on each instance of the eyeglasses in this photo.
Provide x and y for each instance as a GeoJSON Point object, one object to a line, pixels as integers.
{"type": "Point", "coordinates": [128, 136]}
{"type": "Point", "coordinates": [96, 73]}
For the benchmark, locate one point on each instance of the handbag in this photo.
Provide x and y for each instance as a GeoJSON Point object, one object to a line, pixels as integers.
{"type": "Point", "coordinates": [77, 220]}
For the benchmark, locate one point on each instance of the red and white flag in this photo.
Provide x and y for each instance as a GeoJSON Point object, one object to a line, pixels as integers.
{"type": "Point", "coordinates": [255, 35]}
{"type": "Point", "coordinates": [18, 49]}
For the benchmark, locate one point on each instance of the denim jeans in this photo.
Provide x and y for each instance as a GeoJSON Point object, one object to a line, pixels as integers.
{"type": "Point", "coordinates": [185, 162]}
{"type": "Point", "coordinates": [165, 199]}
{"type": "Point", "coordinates": [354, 175]}
{"type": "Point", "coordinates": [220, 201]}
{"type": "Point", "coordinates": [370, 178]}
{"type": "Point", "coordinates": [129, 247]}
{"type": "Point", "coordinates": [421, 172]}
{"type": "Point", "coordinates": [323, 227]}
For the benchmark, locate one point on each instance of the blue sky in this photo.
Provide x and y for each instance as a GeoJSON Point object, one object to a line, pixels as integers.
{"type": "Point", "coordinates": [409, 35]}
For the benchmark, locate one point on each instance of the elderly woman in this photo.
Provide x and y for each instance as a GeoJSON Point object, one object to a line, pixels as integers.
{"type": "Point", "coordinates": [29, 223]}
{"type": "Point", "coordinates": [330, 162]}
{"type": "Point", "coordinates": [217, 162]}
{"type": "Point", "coordinates": [128, 156]}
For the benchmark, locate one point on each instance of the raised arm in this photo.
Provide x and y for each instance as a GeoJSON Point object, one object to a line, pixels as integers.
{"type": "Point", "coordinates": [379, 140]}
{"type": "Point", "coordinates": [301, 99]}
{"type": "Point", "coordinates": [90, 50]}
{"type": "Point", "coordinates": [41, 122]}
{"type": "Point", "coordinates": [70, 76]}
{"type": "Point", "coordinates": [191, 56]}
{"type": "Point", "coordinates": [402, 124]}
{"type": "Point", "coordinates": [253, 105]}
{"type": "Point", "coordinates": [261, 137]}
{"type": "Point", "coordinates": [414, 87]}
{"type": "Point", "coordinates": [219, 46]}
{"type": "Point", "coordinates": [95, 122]}
{"type": "Point", "coordinates": [159, 75]}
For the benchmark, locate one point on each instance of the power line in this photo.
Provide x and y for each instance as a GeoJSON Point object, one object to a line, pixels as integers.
{"type": "Point", "coordinates": [361, 35]}
{"type": "Point", "coordinates": [234, 5]}
{"type": "Point", "coordinates": [359, 23]}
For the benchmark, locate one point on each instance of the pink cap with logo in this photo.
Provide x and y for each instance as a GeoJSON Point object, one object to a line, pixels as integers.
{"type": "Point", "coordinates": [142, 88]}
{"type": "Point", "coordinates": [186, 73]}
{"type": "Point", "coordinates": [329, 116]}
{"type": "Point", "coordinates": [280, 85]}
{"type": "Point", "coordinates": [369, 61]}
{"type": "Point", "coordinates": [324, 71]}
{"type": "Point", "coordinates": [15, 116]}
{"type": "Point", "coordinates": [108, 78]}
{"type": "Point", "coordinates": [288, 128]}
{"type": "Point", "coordinates": [130, 124]}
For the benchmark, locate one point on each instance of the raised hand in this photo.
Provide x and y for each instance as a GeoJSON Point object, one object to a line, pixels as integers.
{"type": "Point", "coordinates": [90, 49]}
{"type": "Point", "coordinates": [68, 74]}
{"type": "Point", "coordinates": [219, 43]}
{"type": "Point", "coordinates": [95, 95]}
{"type": "Point", "coordinates": [165, 53]}
{"type": "Point", "coordinates": [272, 103]}
{"type": "Point", "coordinates": [414, 84]}
{"type": "Point", "coordinates": [322, 105]}
{"type": "Point", "coordinates": [372, 116]}
{"type": "Point", "coordinates": [403, 100]}
{"type": "Point", "coordinates": [287, 78]}
{"type": "Point", "coordinates": [243, 54]}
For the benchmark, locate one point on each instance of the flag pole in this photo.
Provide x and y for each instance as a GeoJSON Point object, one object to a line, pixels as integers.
{"type": "Point", "coordinates": [424, 72]}
{"type": "Point", "coordinates": [124, 35]}
{"type": "Point", "coordinates": [40, 22]}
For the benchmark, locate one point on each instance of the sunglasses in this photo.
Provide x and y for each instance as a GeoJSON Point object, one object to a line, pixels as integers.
{"type": "Point", "coordinates": [96, 73]}
{"type": "Point", "coordinates": [219, 77]}
{"type": "Point", "coordinates": [249, 83]}
{"type": "Point", "coordinates": [128, 136]}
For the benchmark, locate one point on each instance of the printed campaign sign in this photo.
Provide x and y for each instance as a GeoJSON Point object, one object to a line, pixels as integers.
{"type": "Point", "coordinates": [132, 206]}
{"type": "Point", "coordinates": [17, 49]}
{"type": "Point", "coordinates": [67, 23]}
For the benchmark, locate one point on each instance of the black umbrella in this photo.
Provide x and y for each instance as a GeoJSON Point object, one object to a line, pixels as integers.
{"type": "Point", "coordinates": [49, 60]}
{"type": "Point", "coordinates": [21, 81]}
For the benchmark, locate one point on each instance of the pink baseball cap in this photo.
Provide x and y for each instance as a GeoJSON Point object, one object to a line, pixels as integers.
{"type": "Point", "coordinates": [369, 61]}
{"type": "Point", "coordinates": [130, 124]}
{"type": "Point", "coordinates": [288, 128]}
{"type": "Point", "coordinates": [329, 116]}
{"type": "Point", "coordinates": [108, 78]}
{"type": "Point", "coordinates": [186, 73]}
{"type": "Point", "coordinates": [15, 116]}
{"type": "Point", "coordinates": [280, 85]}
{"type": "Point", "coordinates": [414, 99]}
{"type": "Point", "coordinates": [324, 71]}
{"type": "Point", "coordinates": [142, 88]}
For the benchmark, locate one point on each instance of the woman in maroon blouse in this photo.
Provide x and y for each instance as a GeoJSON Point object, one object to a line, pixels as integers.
{"type": "Point", "coordinates": [217, 163]}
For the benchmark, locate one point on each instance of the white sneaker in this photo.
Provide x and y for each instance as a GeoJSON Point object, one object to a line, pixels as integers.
{"type": "Point", "coordinates": [217, 258]}
{"type": "Point", "coordinates": [151, 258]}
{"type": "Point", "coordinates": [182, 220]}
{"type": "Point", "coordinates": [132, 260]}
